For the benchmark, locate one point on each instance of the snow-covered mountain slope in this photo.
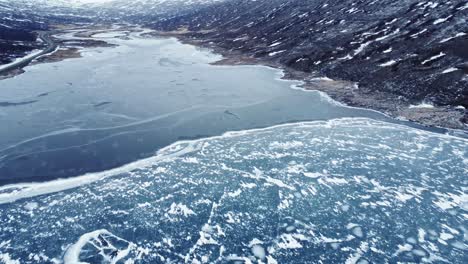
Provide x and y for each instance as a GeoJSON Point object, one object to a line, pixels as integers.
{"type": "Point", "coordinates": [408, 51]}
{"type": "Point", "coordinates": [19, 19]}
{"type": "Point", "coordinates": [412, 50]}
{"type": "Point", "coordinates": [16, 36]}
{"type": "Point", "coordinates": [47, 11]}
{"type": "Point", "coordinates": [139, 11]}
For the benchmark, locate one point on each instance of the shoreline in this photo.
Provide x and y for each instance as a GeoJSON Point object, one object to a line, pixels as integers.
{"type": "Point", "coordinates": [13, 192]}
{"type": "Point", "coordinates": [281, 77]}
{"type": "Point", "coordinates": [343, 91]}
{"type": "Point", "coordinates": [59, 48]}
{"type": "Point", "coordinates": [16, 67]}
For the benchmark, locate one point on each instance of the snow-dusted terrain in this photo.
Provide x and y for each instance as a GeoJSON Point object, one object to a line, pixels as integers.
{"type": "Point", "coordinates": [116, 150]}
{"type": "Point", "coordinates": [144, 11]}
{"type": "Point", "coordinates": [399, 52]}
{"type": "Point", "coordinates": [20, 19]}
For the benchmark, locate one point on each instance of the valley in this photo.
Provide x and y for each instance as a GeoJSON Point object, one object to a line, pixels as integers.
{"type": "Point", "coordinates": [233, 131]}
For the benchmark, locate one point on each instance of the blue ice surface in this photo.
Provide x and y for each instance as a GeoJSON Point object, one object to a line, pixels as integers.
{"type": "Point", "coordinates": [351, 190]}
{"type": "Point", "coordinates": [121, 104]}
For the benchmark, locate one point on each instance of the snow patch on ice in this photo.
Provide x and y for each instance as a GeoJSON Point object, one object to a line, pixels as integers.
{"type": "Point", "coordinates": [289, 241]}
{"type": "Point", "coordinates": [6, 259]}
{"type": "Point", "coordinates": [259, 251]}
{"type": "Point", "coordinates": [180, 209]}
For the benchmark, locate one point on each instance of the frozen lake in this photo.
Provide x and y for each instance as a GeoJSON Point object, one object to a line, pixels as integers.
{"type": "Point", "coordinates": [344, 186]}
{"type": "Point", "coordinates": [117, 105]}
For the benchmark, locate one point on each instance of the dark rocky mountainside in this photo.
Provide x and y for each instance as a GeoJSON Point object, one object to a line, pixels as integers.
{"type": "Point", "coordinates": [415, 51]}
{"type": "Point", "coordinates": [20, 19]}
{"type": "Point", "coordinates": [16, 33]}
{"type": "Point", "coordinates": [144, 11]}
